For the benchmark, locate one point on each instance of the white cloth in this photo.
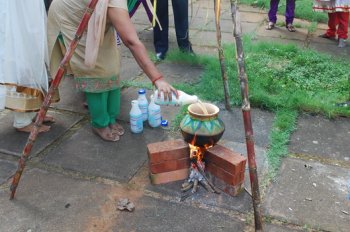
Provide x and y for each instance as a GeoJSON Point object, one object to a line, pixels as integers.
{"type": "Point", "coordinates": [22, 119]}
{"type": "Point", "coordinates": [23, 43]}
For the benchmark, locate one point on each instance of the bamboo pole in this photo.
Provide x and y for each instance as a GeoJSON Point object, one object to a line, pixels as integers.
{"type": "Point", "coordinates": [254, 183]}
{"type": "Point", "coordinates": [217, 10]}
{"type": "Point", "coordinates": [47, 101]}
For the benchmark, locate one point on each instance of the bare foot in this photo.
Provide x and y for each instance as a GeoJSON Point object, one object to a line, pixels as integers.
{"type": "Point", "coordinates": [48, 118]}
{"type": "Point", "coordinates": [28, 129]}
{"type": "Point", "coordinates": [117, 129]}
{"type": "Point", "coordinates": [106, 134]}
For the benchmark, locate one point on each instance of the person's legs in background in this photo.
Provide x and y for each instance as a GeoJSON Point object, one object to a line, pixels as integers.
{"type": "Point", "coordinates": [160, 37]}
{"type": "Point", "coordinates": [113, 109]}
{"type": "Point", "coordinates": [180, 8]}
{"type": "Point", "coordinates": [332, 26]}
{"type": "Point", "coordinates": [100, 118]}
{"type": "Point", "coordinates": [290, 7]}
{"type": "Point", "coordinates": [343, 24]}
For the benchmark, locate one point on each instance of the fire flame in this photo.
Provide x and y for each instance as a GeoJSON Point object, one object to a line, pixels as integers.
{"type": "Point", "coordinates": [197, 152]}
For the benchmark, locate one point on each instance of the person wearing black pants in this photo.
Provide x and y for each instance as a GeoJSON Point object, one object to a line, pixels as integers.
{"type": "Point", "coordinates": [161, 39]}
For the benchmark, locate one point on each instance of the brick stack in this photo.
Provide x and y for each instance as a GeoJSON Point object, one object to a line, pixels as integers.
{"type": "Point", "coordinates": [225, 168]}
{"type": "Point", "coordinates": [168, 161]}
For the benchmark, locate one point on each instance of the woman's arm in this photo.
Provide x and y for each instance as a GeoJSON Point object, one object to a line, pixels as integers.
{"type": "Point", "coordinates": [122, 23]}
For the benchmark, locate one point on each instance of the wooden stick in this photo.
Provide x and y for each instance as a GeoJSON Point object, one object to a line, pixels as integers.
{"type": "Point", "coordinates": [221, 54]}
{"type": "Point", "coordinates": [45, 106]}
{"type": "Point", "coordinates": [237, 32]}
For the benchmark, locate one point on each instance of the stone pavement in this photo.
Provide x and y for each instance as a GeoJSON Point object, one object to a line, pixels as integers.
{"type": "Point", "coordinates": [74, 179]}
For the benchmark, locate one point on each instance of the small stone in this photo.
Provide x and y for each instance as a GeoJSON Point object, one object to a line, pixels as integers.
{"type": "Point", "coordinates": [308, 166]}
{"type": "Point", "coordinates": [315, 142]}
{"type": "Point", "coordinates": [290, 209]}
{"type": "Point", "coordinates": [346, 158]}
{"type": "Point", "coordinates": [314, 184]}
{"type": "Point", "coordinates": [308, 199]}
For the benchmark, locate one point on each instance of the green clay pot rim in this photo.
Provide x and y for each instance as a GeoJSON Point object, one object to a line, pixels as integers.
{"type": "Point", "coordinates": [203, 116]}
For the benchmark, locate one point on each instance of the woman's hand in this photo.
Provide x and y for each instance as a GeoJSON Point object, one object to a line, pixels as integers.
{"type": "Point", "coordinates": [166, 88]}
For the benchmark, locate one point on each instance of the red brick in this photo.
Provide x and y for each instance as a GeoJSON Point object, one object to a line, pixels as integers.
{"type": "Point", "coordinates": [226, 177]}
{"type": "Point", "coordinates": [232, 190]}
{"type": "Point", "coordinates": [170, 165]}
{"type": "Point", "coordinates": [232, 162]}
{"type": "Point", "coordinates": [167, 150]}
{"type": "Point", "coordinates": [166, 177]}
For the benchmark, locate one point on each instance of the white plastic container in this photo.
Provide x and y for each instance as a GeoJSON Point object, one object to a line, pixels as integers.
{"type": "Point", "coordinates": [136, 122]}
{"type": "Point", "coordinates": [143, 104]}
{"type": "Point", "coordinates": [154, 113]}
{"type": "Point", "coordinates": [2, 96]}
{"type": "Point", "coordinates": [184, 99]}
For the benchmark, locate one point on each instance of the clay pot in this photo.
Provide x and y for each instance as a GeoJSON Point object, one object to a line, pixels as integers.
{"type": "Point", "coordinates": [202, 129]}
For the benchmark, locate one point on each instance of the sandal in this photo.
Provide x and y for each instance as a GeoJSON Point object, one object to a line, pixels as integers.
{"type": "Point", "coordinates": [117, 129]}
{"type": "Point", "coordinates": [105, 134]}
{"type": "Point", "coordinates": [326, 36]}
{"type": "Point", "coordinates": [291, 28]}
{"type": "Point", "coordinates": [270, 26]}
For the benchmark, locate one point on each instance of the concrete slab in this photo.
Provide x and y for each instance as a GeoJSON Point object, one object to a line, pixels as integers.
{"type": "Point", "coordinates": [176, 73]}
{"type": "Point", "coordinates": [332, 50]}
{"type": "Point", "coordinates": [7, 169]}
{"type": "Point", "coordinates": [279, 228]}
{"type": "Point", "coordinates": [234, 128]}
{"type": "Point", "coordinates": [13, 142]}
{"type": "Point", "coordinates": [52, 202]}
{"type": "Point", "coordinates": [316, 39]}
{"type": "Point", "coordinates": [316, 135]}
{"type": "Point", "coordinates": [241, 203]}
{"type": "Point", "coordinates": [162, 215]}
{"type": "Point", "coordinates": [129, 69]}
{"type": "Point", "coordinates": [70, 98]}
{"type": "Point", "coordinates": [87, 153]}
{"type": "Point", "coordinates": [316, 197]}
{"type": "Point", "coordinates": [283, 33]}
{"type": "Point", "coordinates": [208, 38]}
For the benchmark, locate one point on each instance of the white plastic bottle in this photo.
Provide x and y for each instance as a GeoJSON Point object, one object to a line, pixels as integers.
{"type": "Point", "coordinates": [184, 99]}
{"type": "Point", "coordinates": [143, 103]}
{"type": "Point", "coordinates": [154, 113]}
{"type": "Point", "coordinates": [136, 121]}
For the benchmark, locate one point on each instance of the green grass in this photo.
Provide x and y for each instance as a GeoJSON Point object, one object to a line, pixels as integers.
{"type": "Point", "coordinates": [283, 79]}
{"type": "Point", "coordinates": [303, 9]}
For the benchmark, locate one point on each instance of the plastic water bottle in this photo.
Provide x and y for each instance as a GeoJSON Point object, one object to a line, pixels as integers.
{"type": "Point", "coordinates": [143, 104]}
{"type": "Point", "coordinates": [154, 113]}
{"type": "Point", "coordinates": [184, 99]}
{"type": "Point", "coordinates": [136, 122]}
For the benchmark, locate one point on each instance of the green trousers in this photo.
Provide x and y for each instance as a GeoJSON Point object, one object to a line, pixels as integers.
{"type": "Point", "coordinates": [103, 107]}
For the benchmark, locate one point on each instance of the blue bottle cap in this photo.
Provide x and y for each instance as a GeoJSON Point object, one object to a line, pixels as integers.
{"type": "Point", "coordinates": [164, 123]}
{"type": "Point", "coordinates": [142, 91]}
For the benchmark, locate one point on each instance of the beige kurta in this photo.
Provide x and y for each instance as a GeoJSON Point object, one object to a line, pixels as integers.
{"type": "Point", "coordinates": [64, 18]}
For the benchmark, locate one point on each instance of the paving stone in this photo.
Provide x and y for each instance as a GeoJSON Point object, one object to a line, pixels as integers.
{"type": "Point", "coordinates": [241, 203]}
{"type": "Point", "coordinates": [332, 50]}
{"type": "Point", "coordinates": [153, 215]}
{"type": "Point", "coordinates": [7, 168]}
{"type": "Point", "coordinates": [129, 69]}
{"type": "Point", "coordinates": [13, 142]}
{"type": "Point", "coordinates": [234, 127]}
{"type": "Point", "coordinates": [314, 196]}
{"type": "Point", "coordinates": [279, 228]}
{"type": "Point", "coordinates": [87, 153]}
{"type": "Point", "coordinates": [316, 39]}
{"type": "Point", "coordinates": [322, 137]}
{"type": "Point", "coordinates": [70, 98]}
{"type": "Point", "coordinates": [51, 202]}
{"type": "Point", "coordinates": [283, 33]}
{"type": "Point", "coordinates": [201, 38]}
